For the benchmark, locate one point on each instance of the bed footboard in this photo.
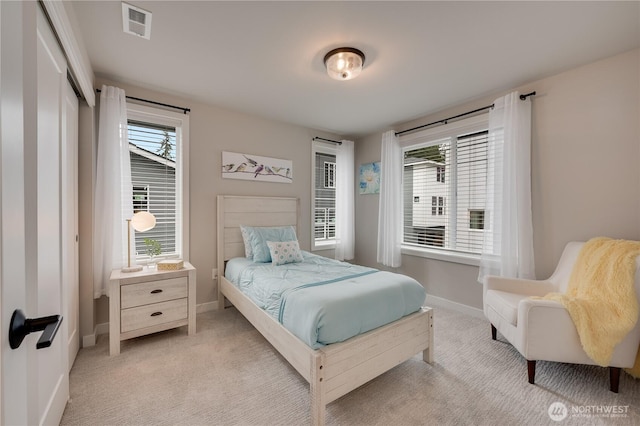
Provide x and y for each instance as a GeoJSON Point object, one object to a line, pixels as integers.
{"type": "Point", "coordinates": [352, 363]}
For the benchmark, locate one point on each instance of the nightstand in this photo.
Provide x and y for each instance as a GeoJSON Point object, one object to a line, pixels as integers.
{"type": "Point", "coordinates": [149, 301]}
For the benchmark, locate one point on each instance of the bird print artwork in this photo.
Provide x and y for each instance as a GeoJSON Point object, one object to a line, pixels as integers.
{"type": "Point", "coordinates": [252, 162]}
{"type": "Point", "coordinates": [256, 168]}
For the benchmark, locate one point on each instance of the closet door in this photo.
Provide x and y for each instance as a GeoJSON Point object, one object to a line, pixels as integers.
{"type": "Point", "coordinates": [44, 258]}
{"type": "Point", "coordinates": [35, 382]}
{"type": "Point", "coordinates": [70, 263]}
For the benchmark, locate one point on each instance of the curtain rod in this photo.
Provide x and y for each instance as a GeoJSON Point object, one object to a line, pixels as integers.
{"type": "Point", "coordinates": [316, 138]}
{"type": "Point", "coordinates": [183, 109]}
{"type": "Point", "coordinates": [446, 120]}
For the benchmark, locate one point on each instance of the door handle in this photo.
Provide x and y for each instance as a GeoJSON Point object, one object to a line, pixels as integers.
{"type": "Point", "coordinates": [20, 326]}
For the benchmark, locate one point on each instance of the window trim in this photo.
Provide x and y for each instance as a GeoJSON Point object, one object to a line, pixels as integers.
{"type": "Point", "coordinates": [434, 136]}
{"type": "Point", "coordinates": [322, 148]}
{"type": "Point", "coordinates": [181, 123]}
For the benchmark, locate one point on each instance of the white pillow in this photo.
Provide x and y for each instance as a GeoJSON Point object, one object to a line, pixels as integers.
{"type": "Point", "coordinates": [246, 237]}
{"type": "Point", "coordinates": [283, 252]}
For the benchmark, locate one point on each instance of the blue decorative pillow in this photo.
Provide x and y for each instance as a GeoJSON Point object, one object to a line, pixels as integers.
{"type": "Point", "coordinates": [248, 252]}
{"type": "Point", "coordinates": [258, 237]}
{"type": "Point", "coordinates": [283, 252]}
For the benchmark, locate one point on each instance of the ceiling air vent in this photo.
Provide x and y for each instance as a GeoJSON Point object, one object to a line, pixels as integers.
{"type": "Point", "coordinates": [136, 21]}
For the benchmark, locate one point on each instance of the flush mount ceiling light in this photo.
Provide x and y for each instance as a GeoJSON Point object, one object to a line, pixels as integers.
{"type": "Point", "coordinates": [344, 63]}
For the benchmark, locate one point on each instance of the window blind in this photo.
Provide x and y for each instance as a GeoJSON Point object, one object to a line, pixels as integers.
{"type": "Point", "coordinates": [444, 193]}
{"type": "Point", "coordinates": [324, 197]}
{"type": "Point", "coordinates": [153, 150]}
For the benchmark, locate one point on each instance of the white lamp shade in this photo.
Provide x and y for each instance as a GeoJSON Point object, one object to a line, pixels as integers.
{"type": "Point", "coordinates": [344, 63]}
{"type": "Point", "coordinates": [143, 221]}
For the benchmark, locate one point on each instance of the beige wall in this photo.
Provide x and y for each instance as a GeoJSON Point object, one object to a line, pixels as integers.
{"type": "Point", "coordinates": [585, 173]}
{"type": "Point", "coordinates": [585, 178]}
{"type": "Point", "coordinates": [213, 130]}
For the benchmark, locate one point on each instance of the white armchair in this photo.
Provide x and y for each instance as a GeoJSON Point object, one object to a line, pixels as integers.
{"type": "Point", "coordinates": [542, 329]}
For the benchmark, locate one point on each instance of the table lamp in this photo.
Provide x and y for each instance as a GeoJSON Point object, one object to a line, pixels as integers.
{"type": "Point", "coordinates": [141, 222]}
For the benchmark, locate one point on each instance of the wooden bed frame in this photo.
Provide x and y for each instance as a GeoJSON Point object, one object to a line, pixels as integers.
{"type": "Point", "coordinates": [334, 370]}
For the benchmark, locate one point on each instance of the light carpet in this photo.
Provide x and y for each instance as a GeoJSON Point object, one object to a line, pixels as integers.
{"type": "Point", "coordinates": [228, 374]}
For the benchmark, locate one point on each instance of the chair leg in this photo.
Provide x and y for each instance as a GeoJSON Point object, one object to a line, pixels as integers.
{"type": "Point", "coordinates": [614, 378]}
{"type": "Point", "coordinates": [531, 369]}
{"type": "Point", "coordinates": [493, 332]}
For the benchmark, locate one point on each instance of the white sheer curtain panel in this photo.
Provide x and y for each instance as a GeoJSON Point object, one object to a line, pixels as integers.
{"type": "Point", "coordinates": [345, 229]}
{"type": "Point", "coordinates": [390, 207]}
{"type": "Point", "coordinates": [508, 236]}
{"type": "Point", "coordinates": [114, 192]}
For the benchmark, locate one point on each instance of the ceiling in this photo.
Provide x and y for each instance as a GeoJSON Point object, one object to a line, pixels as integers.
{"type": "Point", "coordinates": [266, 58]}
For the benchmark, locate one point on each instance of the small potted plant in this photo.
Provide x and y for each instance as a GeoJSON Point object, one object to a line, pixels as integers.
{"type": "Point", "coordinates": [153, 249]}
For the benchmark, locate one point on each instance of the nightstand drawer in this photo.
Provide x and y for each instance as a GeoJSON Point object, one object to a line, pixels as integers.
{"type": "Point", "coordinates": [154, 314]}
{"type": "Point", "coordinates": [153, 291]}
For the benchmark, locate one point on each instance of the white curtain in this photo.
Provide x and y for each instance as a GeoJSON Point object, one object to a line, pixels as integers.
{"type": "Point", "coordinates": [114, 193]}
{"type": "Point", "coordinates": [390, 207]}
{"type": "Point", "coordinates": [345, 230]}
{"type": "Point", "coordinates": [508, 237]}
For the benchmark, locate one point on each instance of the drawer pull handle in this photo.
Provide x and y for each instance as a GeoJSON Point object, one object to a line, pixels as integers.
{"type": "Point", "coordinates": [155, 314]}
{"type": "Point", "coordinates": [156, 291]}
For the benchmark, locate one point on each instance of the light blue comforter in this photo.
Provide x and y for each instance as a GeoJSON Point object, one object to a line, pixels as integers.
{"type": "Point", "coordinates": [324, 301]}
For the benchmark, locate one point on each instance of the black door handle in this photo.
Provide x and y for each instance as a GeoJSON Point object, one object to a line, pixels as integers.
{"type": "Point", "coordinates": [20, 326]}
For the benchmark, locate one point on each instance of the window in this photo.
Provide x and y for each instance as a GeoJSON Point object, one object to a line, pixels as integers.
{"type": "Point", "coordinates": [140, 198]}
{"type": "Point", "coordinates": [330, 174]}
{"type": "Point", "coordinates": [324, 195]}
{"type": "Point", "coordinates": [158, 146]}
{"type": "Point", "coordinates": [453, 221]}
{"type": "Point", "coordinates": [476, 219]}
{"type": "Point", "coordinates": [437, 206]}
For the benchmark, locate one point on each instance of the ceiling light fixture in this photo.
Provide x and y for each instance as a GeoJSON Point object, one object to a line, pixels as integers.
{"type": "Point", "coordinates": [344, 63]}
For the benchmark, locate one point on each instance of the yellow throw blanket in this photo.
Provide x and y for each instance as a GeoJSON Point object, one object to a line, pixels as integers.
{"type": "Point", "coordinates": [601, 297]}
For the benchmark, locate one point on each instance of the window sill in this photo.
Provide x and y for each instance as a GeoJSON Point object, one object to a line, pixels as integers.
{"type": "Point", "coordinates": [324, 245]}
{"type": "Point", "coordinates": [454, 257]}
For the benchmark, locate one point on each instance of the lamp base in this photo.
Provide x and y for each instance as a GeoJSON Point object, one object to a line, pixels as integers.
{"type": "Point", "coordinates": [132, 268]}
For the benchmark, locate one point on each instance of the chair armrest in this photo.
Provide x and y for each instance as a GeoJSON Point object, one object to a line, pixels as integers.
{"type": "Point", "coordinates": [518, 286]}
{"type": "Point", "coordinates": [542, 314]}
{"type": "Point", "coordinates": [546, 332]}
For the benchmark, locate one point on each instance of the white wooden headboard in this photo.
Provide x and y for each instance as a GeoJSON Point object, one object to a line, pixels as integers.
{"type": "Point", "coordinates": [236, 210]}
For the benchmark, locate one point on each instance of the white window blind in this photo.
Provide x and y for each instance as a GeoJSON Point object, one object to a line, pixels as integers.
{"type": "Point", "coordinates": [153, 153]}
{"type": "Point", "coordinates": [324, 195]}
{"type": "Point", "coordinates": [444, 192]}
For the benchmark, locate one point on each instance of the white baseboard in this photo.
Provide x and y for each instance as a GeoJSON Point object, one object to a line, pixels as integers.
{"type": "Point", "coordinates": [446, 303]}
{"type": "Point", "coordinates": [206, 307]}
{"type": "Point", "coordinates": [89, 340]}
{"type": "Point", "coordinates": [102, 328]}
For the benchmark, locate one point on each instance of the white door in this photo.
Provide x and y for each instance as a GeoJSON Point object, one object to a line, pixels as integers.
{"type": "Point", "coordinates": [70, 263]}
{"type": "Point", "coordinates": [35, 383]}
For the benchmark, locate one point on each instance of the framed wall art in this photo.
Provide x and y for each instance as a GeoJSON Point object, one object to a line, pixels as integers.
{"type": "Point", "coordinates": [256, 168]}
{"type": "Point", "coordinates": [370, 178]}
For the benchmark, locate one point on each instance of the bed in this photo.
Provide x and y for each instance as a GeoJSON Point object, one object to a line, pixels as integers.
{"type": "Point", "coordinates": [333, 370]}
